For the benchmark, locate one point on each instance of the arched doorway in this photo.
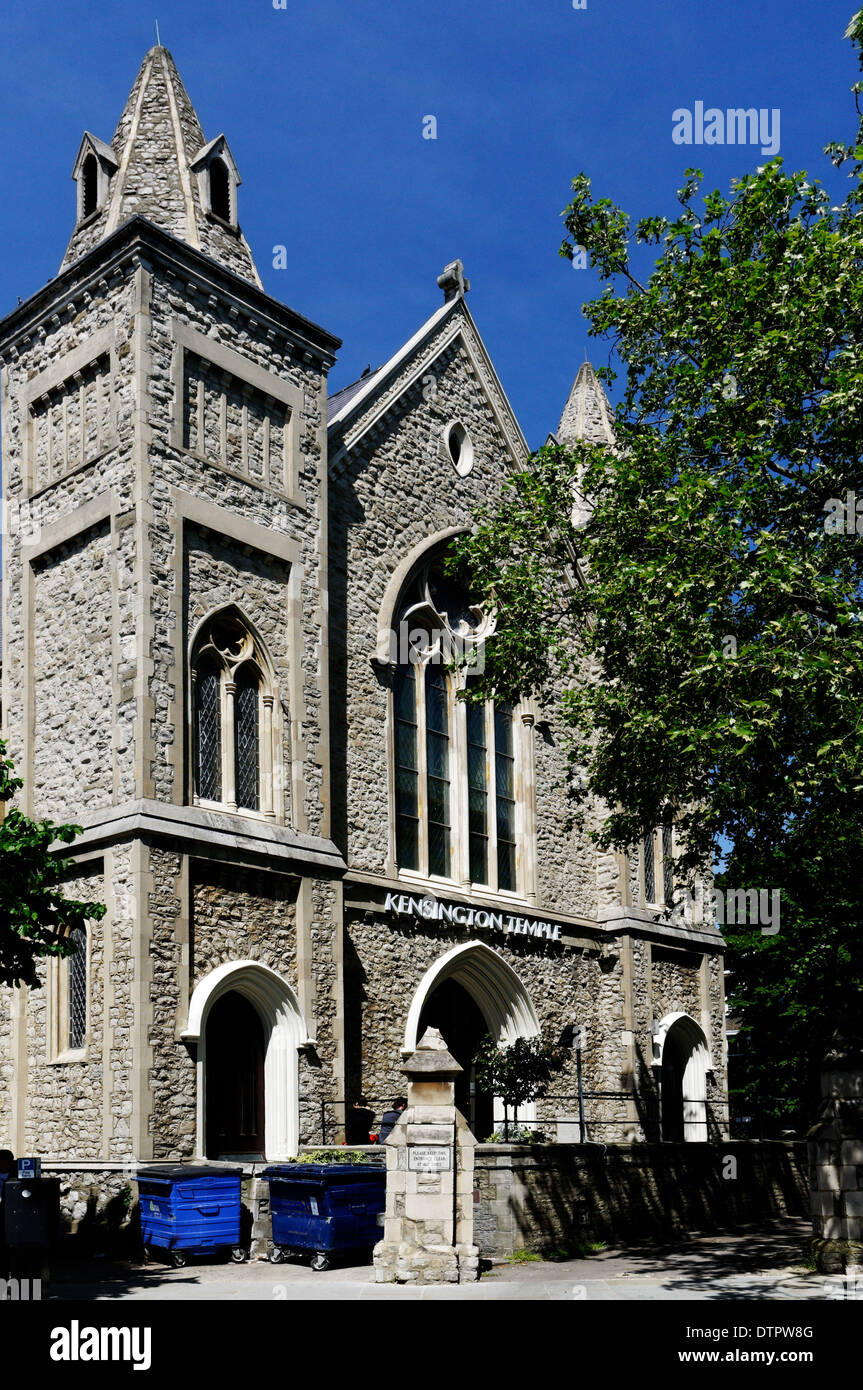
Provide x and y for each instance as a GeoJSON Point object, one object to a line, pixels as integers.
{"type": "Point", "coordinates": [263, 1017]}
{"type": "Point", "coordinates": [474, 992]}
{"type": "Point", "coordinates": [684, 1064]}
{"type": "Point", "coordinates": [235, 1075]}
{"type": "Point", "coordinates": [462, 1023]}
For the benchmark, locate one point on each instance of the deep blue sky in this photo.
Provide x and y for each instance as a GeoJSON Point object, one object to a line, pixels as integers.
{"type": "Point", "coordinates": [323, 105]}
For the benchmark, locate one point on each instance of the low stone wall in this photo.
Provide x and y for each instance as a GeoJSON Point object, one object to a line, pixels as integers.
{"type": "Point", "coordinates": [539, 1197]}
{"type": "Point", "coordinates": [557, 1196]}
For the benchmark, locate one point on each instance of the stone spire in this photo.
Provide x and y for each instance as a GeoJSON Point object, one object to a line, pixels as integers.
{"type": "Point", "coordinates": [587, 414]}
{"type": "Point", "coordinates": [158, 166]}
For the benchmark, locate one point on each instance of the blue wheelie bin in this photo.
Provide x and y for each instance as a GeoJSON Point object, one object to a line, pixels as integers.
{"type": "Point", "coordinates": [324, 1209]}
{"type": "Point", "coordinates": [187, 1209]}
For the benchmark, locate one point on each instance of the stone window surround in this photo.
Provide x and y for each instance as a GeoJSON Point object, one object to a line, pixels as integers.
{"type": "Point", "coordinates": [64, 370]}
{"type": "Point", "coordinates": [524, 720]}
{"type": "Point", "coordinates": [58, 1051]}
{"type": "Point", "coordinates": [106, 167]}
{"type": "Point", "coordinates": [658, 902]}
{"type": "Point", "coordinates": [186, 339]}
{"type": "Point", "coordinates": [196, 512]}
{"type": "Point", "coordinates": [458, 782]}
{"type": "Point", "coordinates": [269, 721]}
{"type": "Point", "coordinates": [192, 511]}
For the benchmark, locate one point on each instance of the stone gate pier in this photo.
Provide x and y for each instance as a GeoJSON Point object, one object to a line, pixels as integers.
{"type": "Point", "coordinates": [836, 1158]}
{"type": "Point", "coordinates": [428, 1222]}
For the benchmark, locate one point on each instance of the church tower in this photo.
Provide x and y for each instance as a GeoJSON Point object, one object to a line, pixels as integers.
{"type": "Point", "coordinates": [165, 664]}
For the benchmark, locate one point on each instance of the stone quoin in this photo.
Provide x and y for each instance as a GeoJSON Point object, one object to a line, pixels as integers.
{"type": "Point", "coordinates": [311, 851]}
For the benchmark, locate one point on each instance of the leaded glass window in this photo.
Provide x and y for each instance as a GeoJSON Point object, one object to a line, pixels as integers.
{"type": "Point", "coordinates": [649, 873]}
{"type": "Point", "coordinates": [438, 775]}
{"type": "Point", "coordinates": [477, 791]}
{"type": "Point", "coordinates": [407, 767]}
{"type": "Point", "coordinates": [208, 733]}
{"type": "Point", "coordinates": [667, 866]}
{"type": "Point", "coordinates": [235, 710]}
{"type": "Point", "coordinates": [77, 977]}
{"type": "Point", "coordinates": [455, 760]}
{"type": "Point", "coordinates": [246, 754]}
{"type": "Point", "coordinates": [505, 797]}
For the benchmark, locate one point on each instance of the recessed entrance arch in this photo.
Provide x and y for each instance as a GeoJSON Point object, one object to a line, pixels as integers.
{"type": "Point", "coordinates": [469, 993]}
{"type": "Point", "coordinates": [684, 1064]}
{"type": "Point", "coordinates": [282, 1031]}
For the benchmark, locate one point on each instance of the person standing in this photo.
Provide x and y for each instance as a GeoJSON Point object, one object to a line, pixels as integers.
{"type": "Point", "coordinates": [391, 1118]}
{"type": "Point", "coordinates": [358, 1122]}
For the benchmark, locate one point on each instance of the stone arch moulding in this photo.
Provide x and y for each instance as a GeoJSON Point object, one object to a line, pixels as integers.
{"type": "Point", "coordinates": [698, 1064]}
{"type": "Point", "coordinates": [286, 1035]}
{"type": "Point", "coordinates": [490, 981]}
{"type": "Point", "coordinates": [396, 583]}
{"type": "Point", "coordinates": [232, 610]}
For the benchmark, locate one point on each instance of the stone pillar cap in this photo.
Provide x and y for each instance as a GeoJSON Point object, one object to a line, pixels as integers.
{"type": "Point", "coordinates": [432, 1059]}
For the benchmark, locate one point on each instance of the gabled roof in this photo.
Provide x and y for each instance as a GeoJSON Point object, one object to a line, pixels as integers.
{"type": "Point", "coordinates": [356, 408]}
{"type": "Point", "coordinates": [90, 141]}
{"type": "Point", "coordinates": [155, 147]}
{"type": "Point", "coordinates": [340, 399]}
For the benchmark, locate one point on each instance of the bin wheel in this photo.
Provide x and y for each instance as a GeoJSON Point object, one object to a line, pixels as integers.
{"type": "Point", "coordinates": [320, 1261]}
{"type": "Point", "coordinates": [239, 1254]}
{"type": "Point", "coordinates": [178, 1259]}
{"type": "Point", "coordinates": [277, 1256]}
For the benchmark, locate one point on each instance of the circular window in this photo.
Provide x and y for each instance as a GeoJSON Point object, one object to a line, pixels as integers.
{"type": "Point", "coordinates": [460, 448]}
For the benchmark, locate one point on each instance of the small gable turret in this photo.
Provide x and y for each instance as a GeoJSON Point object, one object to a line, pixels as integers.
{"type": "Point", "coordinates": [93, 171]}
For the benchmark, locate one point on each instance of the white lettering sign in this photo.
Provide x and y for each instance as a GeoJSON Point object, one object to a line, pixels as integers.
{"type": "Point", "coordinates": [431, 909]}
{"type": "Point", "coordinates": [431, 1160]}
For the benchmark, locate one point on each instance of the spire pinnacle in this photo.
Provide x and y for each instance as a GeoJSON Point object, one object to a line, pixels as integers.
{"type": "Point", "coordinates": [158, 166]}
{"type": "Point", "coordinates": [587, 414]}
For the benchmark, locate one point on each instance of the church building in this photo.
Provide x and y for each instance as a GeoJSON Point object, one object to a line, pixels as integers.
{"type": "Point", "coordinates": [225, 654]}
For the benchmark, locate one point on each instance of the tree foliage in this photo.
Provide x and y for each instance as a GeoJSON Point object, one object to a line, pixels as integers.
{"type": "Point", "coordinates": [35, 918]}
{"type": "Point", "coordinates": [717, 614]}
{"type": "Point", "coordinates": [518, 1072]}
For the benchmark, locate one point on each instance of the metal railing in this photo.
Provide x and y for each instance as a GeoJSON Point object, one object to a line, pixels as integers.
{"type": "Point", "coordinates": [773, 1119]}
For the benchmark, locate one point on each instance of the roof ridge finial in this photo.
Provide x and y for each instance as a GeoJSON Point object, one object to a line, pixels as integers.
{"type": "Point", "coordinates": [453, 282]}
{"type": "Point", "coordinates": [158, 39]}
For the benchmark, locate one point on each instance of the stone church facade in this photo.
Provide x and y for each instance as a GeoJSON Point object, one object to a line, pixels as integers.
{"type": "Point", "coordinates": [222, 657]}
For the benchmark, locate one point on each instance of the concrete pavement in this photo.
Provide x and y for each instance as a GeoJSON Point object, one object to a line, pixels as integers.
{"type": "Point", "coordinates": [762, 1265]}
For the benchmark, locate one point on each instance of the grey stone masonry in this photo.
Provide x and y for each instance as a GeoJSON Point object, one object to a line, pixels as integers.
{"type": "Point", "coordinates": [428, 1221]}
{"type": "Point", "coordinates": [836, 1158]}
{"type": "Point", "coordinates": [153, 172]}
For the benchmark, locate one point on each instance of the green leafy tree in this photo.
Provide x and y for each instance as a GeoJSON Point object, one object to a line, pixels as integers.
{"type": "Point", "coordinates": [518, 1072]}
{"type": "Point", "coordinates": [701, 631]}
{"type": "Point", "coordinates": [35, 918]}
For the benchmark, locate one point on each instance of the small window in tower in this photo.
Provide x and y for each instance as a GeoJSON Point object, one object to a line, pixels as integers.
{"type": "Point", "coordinates": [89, 186]}
{"type": "Point", "coordinates": [220, 190]}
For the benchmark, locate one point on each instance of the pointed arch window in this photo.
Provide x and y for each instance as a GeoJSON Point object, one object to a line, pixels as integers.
{"type": "Point", "coordinates": [220, 189]}
{"type": "Point", "coordinates": [89, 185]}
{"type": "Point", "coordinates": [456, 762]}
{"type": "Point", "coordinates": [233, 709]}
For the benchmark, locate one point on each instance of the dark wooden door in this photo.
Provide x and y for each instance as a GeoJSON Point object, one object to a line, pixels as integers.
{"type": "Point", "coordinates": [235, 1079]}
{"type": "Point", "coordinates": [462, 1024]}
